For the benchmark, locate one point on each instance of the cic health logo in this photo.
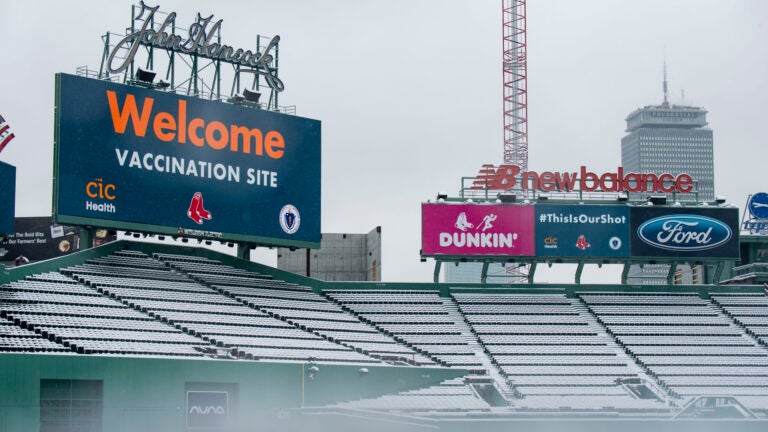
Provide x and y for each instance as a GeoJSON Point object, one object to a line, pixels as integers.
{"type": "Point", "coordinates": [100, 196]}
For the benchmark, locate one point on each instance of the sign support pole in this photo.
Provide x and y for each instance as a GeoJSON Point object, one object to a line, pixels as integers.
{"type": "Point", "coordinates": [625, 272]}
{"type": "Point", "coordinates": [579, 269]}
{"type": "Point", "coordinates": [484, 273]}
{"type": "Point", "coordinates": [671, 273]}
{"type": "Point", "coordinates": [436, 277]}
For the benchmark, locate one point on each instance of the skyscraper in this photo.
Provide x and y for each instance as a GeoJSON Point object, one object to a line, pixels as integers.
{"type": "Point", "coordinates": [673, 139]}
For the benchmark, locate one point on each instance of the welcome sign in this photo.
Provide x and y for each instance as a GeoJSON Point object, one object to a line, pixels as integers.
{"type": "Point", "coordinates": [131, 158]}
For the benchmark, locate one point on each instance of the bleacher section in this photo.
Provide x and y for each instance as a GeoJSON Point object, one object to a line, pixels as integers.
{"type": "Point", "coordinates": [749, 310]}
{"type": "Point", "coordinates": [525, 349]}
{"type": "Point", "coordinates": [68, 316]}
{"type": "Point", "coordinates": [298, 306]}
{"type": "Point", "coordinates": [686, 342]}
{"type": "Point", "coordinates": [552, 354]}
{"type": "Point", "coordinates": [418, 318]}
{"type": "Point", "coordinates": [201, 312]}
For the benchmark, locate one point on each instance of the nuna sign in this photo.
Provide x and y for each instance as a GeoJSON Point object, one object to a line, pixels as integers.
{"type": "Point", "coordinates": [505, 177]}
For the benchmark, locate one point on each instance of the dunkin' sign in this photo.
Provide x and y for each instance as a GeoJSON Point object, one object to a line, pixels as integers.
{"type": "Point", "coordinates": [470, 229]}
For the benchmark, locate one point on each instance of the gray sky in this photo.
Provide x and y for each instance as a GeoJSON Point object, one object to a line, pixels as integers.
{"type": "Point", "coordinates": [409, 92]}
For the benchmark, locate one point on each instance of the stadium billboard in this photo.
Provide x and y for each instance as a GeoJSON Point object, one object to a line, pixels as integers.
{"type": "Point", "coordinates": [132, 158]}
{"type": "Point", "coordinates": [685, 232]}
{"type": "Point", "coordinates": [471, 229]}
{"type": "Point", "coordinates": [582, 231]}
{"type": "Point", "coordinates": [37, 239]}
{"type": "Point", "coordinates": [7, 197]}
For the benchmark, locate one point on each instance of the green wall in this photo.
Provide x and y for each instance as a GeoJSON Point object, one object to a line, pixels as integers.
{"type": "Point", "coordinates": [148, 394]}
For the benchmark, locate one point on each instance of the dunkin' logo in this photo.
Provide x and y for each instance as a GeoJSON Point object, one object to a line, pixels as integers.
{"type": "Point", "coordinates": [684, 232]}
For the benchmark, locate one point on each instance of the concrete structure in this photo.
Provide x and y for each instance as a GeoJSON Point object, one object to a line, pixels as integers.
{"type": "Point", "coordinates": [341, 257]}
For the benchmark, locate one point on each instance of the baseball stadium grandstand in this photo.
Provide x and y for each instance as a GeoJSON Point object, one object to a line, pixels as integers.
{"type": "Point", "coordinates": [136, 336]}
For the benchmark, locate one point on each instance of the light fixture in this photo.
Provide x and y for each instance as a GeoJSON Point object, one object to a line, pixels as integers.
{"type": "Point", "coordinates": [720, 199]}
{"type": "Point", "coordinates": [507, 197]}
{"type": "Point", "coordinates": [146, 76]}
{"type": "Point", "coordinates": [543, 197]}
{"type": "Point", "coordinates": [160, 237]}
{"type": "Point", "coordinates": [442, 196]}
{"type": "Point", "coordinates": [657, 199]}
{"type": "Point", "coordinates": [136, 235]}
{"type": "Point", "coordinates": [623, 196]}
{"type": "Point", "coordinates": [162, 84]}
{"type": "Point", "coordinates": [207, 242]}
{"type": "Point", "coordinates": [251, 96]}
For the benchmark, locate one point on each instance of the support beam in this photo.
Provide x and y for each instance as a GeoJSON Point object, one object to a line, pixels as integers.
{"type": "Point", "coordinates": [671, 273]}
{"type": "Point", "coordinates": [531, 272]}
{"type": "Point", "coordinates": [718, 273]}
{"type": "Point", "coordinates": [484, 272]}
{"type": "Point", "coordinates": [625, 273]}
{"type": "Point", "coordinates": [579, 269]}
{"type": "Point", "coordinates": [436, 276]}
{"type": "Point", "coordinates": [244, 250]}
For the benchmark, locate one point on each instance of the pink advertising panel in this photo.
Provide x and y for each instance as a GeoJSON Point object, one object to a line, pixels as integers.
{"type": "Point", "coordinates": [477, 229]}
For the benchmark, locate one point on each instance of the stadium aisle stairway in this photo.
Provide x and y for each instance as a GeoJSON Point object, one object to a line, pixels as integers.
{"type": "Point", "coordinates": [688, 343]}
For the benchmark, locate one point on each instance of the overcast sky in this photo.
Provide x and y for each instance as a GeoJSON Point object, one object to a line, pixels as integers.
{"type": "Point", "coordinates": [409, 92]}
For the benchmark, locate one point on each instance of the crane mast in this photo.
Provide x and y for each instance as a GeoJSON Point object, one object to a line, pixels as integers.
{"type": "Point", "coordinates": [515, 77]}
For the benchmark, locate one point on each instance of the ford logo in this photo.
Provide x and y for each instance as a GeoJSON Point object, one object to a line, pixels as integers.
{"type": "Point", "coordinates": [684, 232]}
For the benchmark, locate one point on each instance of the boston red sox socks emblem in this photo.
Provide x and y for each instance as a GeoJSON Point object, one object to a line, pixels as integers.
{"type": "Point", "coordinates": [196, 210]}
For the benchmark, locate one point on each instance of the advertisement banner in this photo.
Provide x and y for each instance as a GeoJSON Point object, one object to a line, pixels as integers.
{"type": "Point", "coordinates": [694, 233]}
{"type": "Point", "coordinates": [7, 197]}
{"type": "Point", "coordinates": [137, 159]}
{"type": "Point", "coordinates": [36, 239]}
{"type": "Point", "coordinates": [576, 231]}
{"type": "Point", "coordinates": [477, 229]}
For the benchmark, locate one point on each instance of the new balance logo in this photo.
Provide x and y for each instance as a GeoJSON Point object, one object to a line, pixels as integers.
{"type": "Point", "coordinates": [492, 178]}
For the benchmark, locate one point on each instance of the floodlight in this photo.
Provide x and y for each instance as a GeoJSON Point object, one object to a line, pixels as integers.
{"type": "Point", "coordinates": [507, 197]}
{"type": "Point", "coordinates": [720, 199]}
{"type": "Point", "coordinates": [657, 199]}
{"type": "Point", "coordinates": [543, 197]}
{"type": "Point", "coordinates": [163, 84]}
{"type": "Point", "coordinates": [442, 196]}
{"type": "Point", "coordinates": [207, 242]}
{"type": "Point", "coordinates": [161, 237]}
{"type": "Point", "coordinates": [136, 235]}
{"type": "Point", "coordinates": [251, 96]}
{"type": "Point", "coordinates": [623, 196]}
{"type": "Point", "coordinates": [146, 76]}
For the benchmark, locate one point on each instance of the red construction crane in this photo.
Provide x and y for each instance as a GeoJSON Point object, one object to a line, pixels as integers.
{"type": "Point", "coordinates": [515, 75]}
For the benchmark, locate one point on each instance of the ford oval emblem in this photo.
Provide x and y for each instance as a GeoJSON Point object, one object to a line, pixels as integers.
{"type": "Point", "coordinates": [684, 232]}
